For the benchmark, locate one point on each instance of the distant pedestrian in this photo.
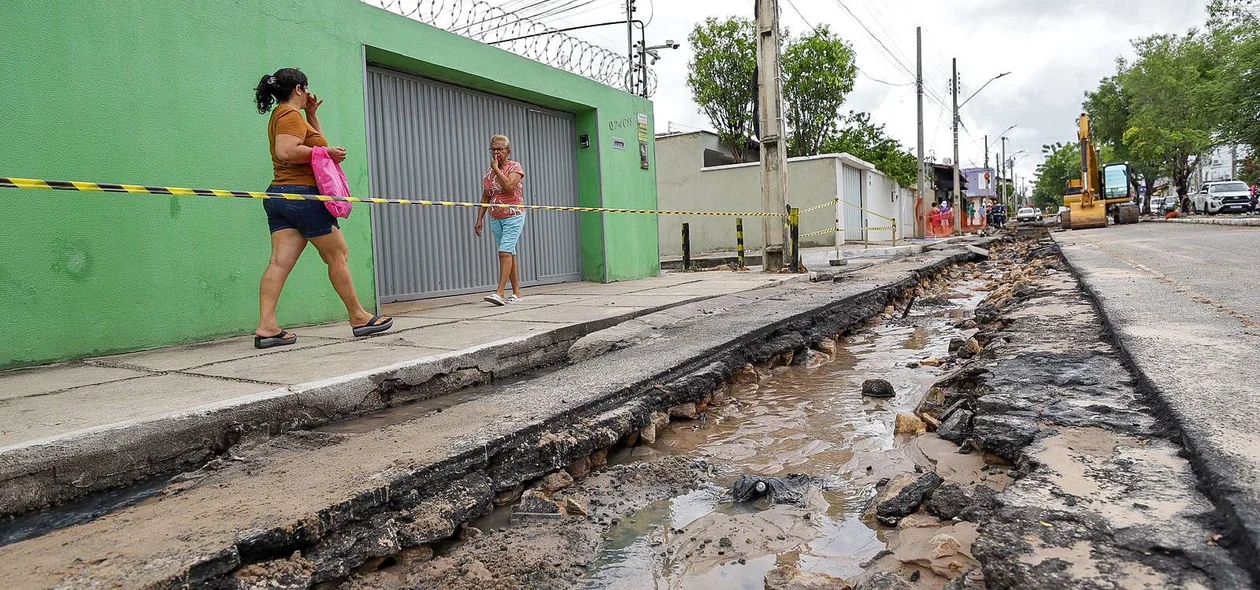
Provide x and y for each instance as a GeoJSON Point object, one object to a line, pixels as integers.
{"type": "Point", "coordinates": [292, 140]}
{"type": "Point", "coordinates": [503, 184]}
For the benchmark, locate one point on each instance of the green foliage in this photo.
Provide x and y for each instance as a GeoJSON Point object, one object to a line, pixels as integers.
{"type": "Point", "coordinates": [865, 140]}
{"type": "Point", "coordinates": [1171, 85]}
{"type": "Point", "coordinates": [818, 73]}
{"type": "Point", "coordinates": [720, 77]}
{"type": "Point", "coordinates": [1249, 170]}
{"type": "Point", "coordinates": [1235, 43]}
{"type": "Point", "coordinates": [1063, 162]}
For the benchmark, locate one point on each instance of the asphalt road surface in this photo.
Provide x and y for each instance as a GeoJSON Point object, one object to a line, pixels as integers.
{"type": "Point", "coordinates": [1184, 303]}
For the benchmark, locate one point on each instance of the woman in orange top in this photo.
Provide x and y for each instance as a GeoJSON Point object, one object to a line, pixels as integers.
{"type": "Point", "coordinates": [294, 223]}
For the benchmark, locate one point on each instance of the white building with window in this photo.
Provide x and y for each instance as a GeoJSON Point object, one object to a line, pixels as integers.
{"type": "Point", "coordinates": [1222, 163]}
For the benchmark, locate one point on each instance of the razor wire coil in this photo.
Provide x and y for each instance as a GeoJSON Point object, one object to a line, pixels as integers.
{"type": "Point", "coordinates": [484, 22]}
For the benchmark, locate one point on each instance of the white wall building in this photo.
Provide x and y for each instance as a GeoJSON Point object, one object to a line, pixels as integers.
{"type": "Point", "coordinates": [687, 179]}
{"type": "Point", "coordinates": [1222, 163]}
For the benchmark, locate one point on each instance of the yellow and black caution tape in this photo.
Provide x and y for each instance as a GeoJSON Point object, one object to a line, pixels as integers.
{"type": "Point", "coordinates": [859, 207]}
{"type": "Point", "coordinates": [820, 232]}
{"type": "Point", "coordinates": [829, 230]}
{"type": "Point", "coordinates": [97, 187]}
{"type": "Point", "coordinates": [830, 203]}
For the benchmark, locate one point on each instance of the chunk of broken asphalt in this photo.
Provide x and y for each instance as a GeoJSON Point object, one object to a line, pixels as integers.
{"type": "Point", "coordinates": [1003, 435]}
{"type": "Point", "coordinates": [956, 428]}
{"type": "Point", "coordinates": [948, 501]}
{"type": "Point", "coordinates": [892, 510]}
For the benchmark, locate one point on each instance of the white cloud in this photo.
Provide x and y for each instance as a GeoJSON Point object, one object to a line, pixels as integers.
{"type": "Point", "coordinates": [1055, 50]}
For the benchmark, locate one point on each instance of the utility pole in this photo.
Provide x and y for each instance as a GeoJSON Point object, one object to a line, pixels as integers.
{"type": "Point", "coordinates": [773, 158]}
{"type": "Point", "coordinates": [986, 159]}
{"type": "Point", "coordinates": [918, 80]}
{"type": "Point", "coordinates": [1005, 168]}
{"type": "Point", "coordinates": [957, 183]}
{"type": "Point", "coordinates": [630, 74]}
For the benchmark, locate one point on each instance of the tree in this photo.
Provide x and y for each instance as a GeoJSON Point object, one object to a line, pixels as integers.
{"type": "Point", "coordinates": [1109, 110]}
{"type": "Point", "coordinates": [1235, 42]}
{"type": "Point", "coordinates": [1171, 89]}
{"type": "Point", "coordinates": [720, 77]}
{"type": "Point", "coordinates": [865, 140]}
{"type": "Point", "coordinates": [818, 73]}
{"type": "Point", "coordinates": [1063, 162]}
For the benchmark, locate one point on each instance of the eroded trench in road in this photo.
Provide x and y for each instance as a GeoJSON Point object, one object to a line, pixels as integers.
{"type": "Point", "coordinates": [656, 511]}
{"type": "Point", "coordinates": [1015, 451]}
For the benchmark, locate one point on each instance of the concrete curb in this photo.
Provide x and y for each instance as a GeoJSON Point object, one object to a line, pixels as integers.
{"type": "Point", "coordinates": [1216, 481]}
{"type": "Point", "coordinates": [1237, 222]}
{"type": "Point", "coordinates": [36, 474]}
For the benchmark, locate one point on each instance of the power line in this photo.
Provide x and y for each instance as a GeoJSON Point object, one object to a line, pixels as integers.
{"type": "Point", "coordinates": [859, 69]}
{"type": "Point", "coordinates": [887, 51]}
{"type": "Point", "coordinates": [874, 79]}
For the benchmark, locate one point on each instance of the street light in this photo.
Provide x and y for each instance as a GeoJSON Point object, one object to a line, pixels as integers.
{"type": "Point", "coordinates": [957, 182]}
{"type": "Point", "coordinates": [999, 137]}
{"type": "Point", "coordinates": [982, 86]}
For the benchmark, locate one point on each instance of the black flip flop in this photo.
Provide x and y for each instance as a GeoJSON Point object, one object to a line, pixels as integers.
{"type": "Point", "coordinates": [372, 327]}
{"type": "Point", "coordinates": [281, 339]}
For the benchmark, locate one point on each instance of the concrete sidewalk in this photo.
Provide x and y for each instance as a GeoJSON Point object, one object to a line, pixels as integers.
{"type": "Point", "coordinates": [174, 407]}
{"type": "Point", "coordinates": [813, 258]}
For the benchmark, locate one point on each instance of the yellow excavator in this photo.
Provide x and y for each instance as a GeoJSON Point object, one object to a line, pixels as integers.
{"type": "Point", "coordinates": [1098, 191]}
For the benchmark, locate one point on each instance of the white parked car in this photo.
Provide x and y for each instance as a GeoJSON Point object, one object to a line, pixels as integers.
{"type": "Point", "coordinates": [1229, 196]}
{"type": "Point", "coordinates": [1028, 215]}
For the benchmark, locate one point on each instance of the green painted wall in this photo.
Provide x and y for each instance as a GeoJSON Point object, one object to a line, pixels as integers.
{"type": "Point", "coordinates": [159, 92]}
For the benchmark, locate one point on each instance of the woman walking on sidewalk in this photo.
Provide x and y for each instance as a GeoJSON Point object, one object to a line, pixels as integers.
{"type": "Point", "coordinates": [503, 184]}
{"type": "Point", "coordinates": [294, 223]}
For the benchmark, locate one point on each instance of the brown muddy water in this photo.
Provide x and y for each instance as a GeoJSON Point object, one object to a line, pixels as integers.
{"type": "Point", "coordinates": [809, 419]}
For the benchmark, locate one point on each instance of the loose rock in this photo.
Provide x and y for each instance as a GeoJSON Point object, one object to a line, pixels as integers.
{"type": "Point", "coordinates": [687, 410]}
{"type": "Point", "coordinates": [909, 424]}
{"type": "Point", "coordinates": [884, 581]}
{"type": "Point", "coordinates": [944, 545]}
{"type": "Point", "coordinates": [577, 505]}
{"type": "Point", "coordinates": [880, 388]}
{"type": "Point", "coordinates": [580, 467]}
{"type": "Point", "coordinates": [556, 481]}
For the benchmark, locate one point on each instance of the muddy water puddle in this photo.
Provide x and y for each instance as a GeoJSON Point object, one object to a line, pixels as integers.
{"type": "Point", "coordinates": [809, 419]}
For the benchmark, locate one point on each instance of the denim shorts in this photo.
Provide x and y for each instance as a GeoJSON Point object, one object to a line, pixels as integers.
{"type": "Point", "coordinates": [507, 232]}
{"type": "Point", "coordinates": [311, 218]}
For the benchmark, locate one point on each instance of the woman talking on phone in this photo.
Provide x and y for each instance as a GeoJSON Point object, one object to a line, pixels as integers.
{"type": "Point", "coordinates": [503, 184]}
{"type": "Point", "coordinates": [294, 223]}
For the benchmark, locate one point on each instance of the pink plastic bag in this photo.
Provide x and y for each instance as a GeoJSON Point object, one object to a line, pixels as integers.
{"type": "Point", "coordinates": [332, 182]}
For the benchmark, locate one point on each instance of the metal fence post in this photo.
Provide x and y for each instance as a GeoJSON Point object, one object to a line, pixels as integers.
{"type": "Point", "coordinates": [794, 221]}
{"type": "Point", "coordinates": [894, 226]}
{"type": "Point", "coordinates": [739, 240]}
{"type": "Point", "coordinates": [686, 246]}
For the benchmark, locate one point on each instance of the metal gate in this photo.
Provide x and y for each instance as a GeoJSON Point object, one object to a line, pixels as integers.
{"type": "Point", "coordinates": [854, 200]}
{"type": "Point", "coordinates": [429, 140]}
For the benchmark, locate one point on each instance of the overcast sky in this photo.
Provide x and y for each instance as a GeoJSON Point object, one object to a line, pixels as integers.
{"type": "Point", "coordinates": [1054, 49]}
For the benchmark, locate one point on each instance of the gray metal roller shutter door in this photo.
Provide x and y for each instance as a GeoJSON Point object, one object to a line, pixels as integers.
{"type": "Point", "coordinates": [855, 198]}
{"type": "Point", "coordinates": [429, 140]}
